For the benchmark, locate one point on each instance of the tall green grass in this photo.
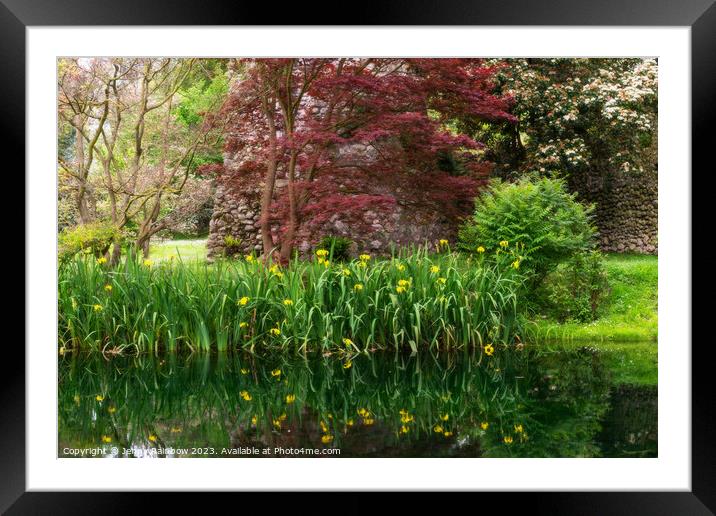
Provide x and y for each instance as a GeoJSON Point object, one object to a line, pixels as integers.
{"type": "Point", "coordinates": [414, 300]}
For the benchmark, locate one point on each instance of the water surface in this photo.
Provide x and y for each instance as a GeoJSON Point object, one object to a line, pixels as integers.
{"type": "Point", "coordinates": [514, 404]}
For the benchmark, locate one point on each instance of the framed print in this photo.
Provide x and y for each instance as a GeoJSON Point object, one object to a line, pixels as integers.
{"type": "Point", "coordinates": [426, 248]}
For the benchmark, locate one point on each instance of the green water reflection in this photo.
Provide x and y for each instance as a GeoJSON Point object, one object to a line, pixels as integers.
{"type": "Point", "coordinates": [518, 404]}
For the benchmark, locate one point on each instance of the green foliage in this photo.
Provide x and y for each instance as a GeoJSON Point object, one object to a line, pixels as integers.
{"type": "Point", "coordinates": [94, 238]}
{"type": "Point", "coordinates": [575, 290]}
{"type": "Point", "coordinates": [200, 97]}
{"type": "Point", "coordinates": [537, 217]}
{"type": "Point", "coordinates": [339, 248]}
{"type": "Point", "coordinates": [231, 245]}
{"type": "Point", "coordinates": [418, 300]}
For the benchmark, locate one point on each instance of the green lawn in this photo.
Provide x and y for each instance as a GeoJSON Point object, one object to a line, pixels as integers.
{"type": "Point", "coordinates": [186, 250]}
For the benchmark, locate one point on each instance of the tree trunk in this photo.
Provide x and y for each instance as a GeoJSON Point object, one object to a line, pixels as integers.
{"type": "Point", "coordinates": [267, 194]}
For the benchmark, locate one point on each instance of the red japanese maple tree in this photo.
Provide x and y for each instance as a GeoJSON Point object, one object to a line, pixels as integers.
{"type": "Point", "coordinates": [332, 126]}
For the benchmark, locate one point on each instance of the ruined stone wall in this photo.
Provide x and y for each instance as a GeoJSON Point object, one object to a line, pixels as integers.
{"type": "Point", "coordinates": [626, 209]}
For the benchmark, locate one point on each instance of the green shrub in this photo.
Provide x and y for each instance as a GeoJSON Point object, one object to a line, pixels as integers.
{"type": "Point", "coordinates": [94, 238]}
{"type": "Point", "coordinates": [536, 216]}
{"type": "Point", "coordinates": [231, 245]}
{"type": "Point", "coordinates": [575, 290]}
{"type": "Point", "coordinates": [338, 247]}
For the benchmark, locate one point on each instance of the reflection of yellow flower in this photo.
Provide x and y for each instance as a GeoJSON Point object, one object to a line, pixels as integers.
{"type": "Point", "coordinates": [519, 429]}
{"type": "Point", "coordinates": [243, 324]}
{"type": "Point", "coordinates": [434, 269]}
{"type": "Point", "coordinates": [363, 412]}
{"type": "Point", "coordinates": [507, 439]}
{"type": "Point", "coordinates": [349, 422]}
{"type": "Point", "coordinates": [438, 429]}
{"type": "Point", "coordinates": [447, 434]}
{"type": "Point", "coordinates": [244, 300]}
{"type": "Point", "coordinates": [407, 418]}
{"type": "Point", "coordinates": [445, 417]}
{"type": "Point", "coordinates": [404, 429]}
{"type": "Point", "coordinates": [77, 399]}
{"type": "Point", "coordinates": [153, 438]}
{"type": "Point", "coordinates": [244, 371]}
{"type": "Point", "coordinates": [347, 365]}
{"type": "Point", "coordinates": [327, 438]}
{"type": "Point", "coordinates": [253, 420]}
{"type": "Point", "coordinates": [106, 439]}
{"type": "Point", "coordinates": [324, 426]}
{"type": "Point", "coordinates": [480, 249]}
{"type": "Point", "coordinates": [484, 425]}
{"type": "Point", "coordinates": [290, 398]}
{"type": "Point", "coordinates": [275, 331]}
{"type": "Point", "coordinates": [287, 302]}
{"type": "Point", "coordinates": [108, 288]}
{"type": "Point", "coordinates": [101, 260]}
{"type": "Point", "coordinates": [276, 372]}
{"type": "Point", "coordinates": [245, 395]}
{"type": "Point", "coordinates": [98, 308]}
{"type": "Point", "coordinates": [504, 243]}
{"type": "Point", "coordinates": [489, 350]}
{"type": "Point", "coordinates": [112, 409]}
{"type": "Point", "coordinates": [358, 287]}
{"type": "Point", "coordinates": [368, 421]}
{"type": "Point", "coordinates": [347, 342]}
{"type": "Point", "coordinates": [99, 397]}
{"type": "Point", "coordinates": [277, 424]}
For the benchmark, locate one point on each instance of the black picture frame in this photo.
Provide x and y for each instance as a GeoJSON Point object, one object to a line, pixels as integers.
{"type": "Point", "coordinates": [699, 15]}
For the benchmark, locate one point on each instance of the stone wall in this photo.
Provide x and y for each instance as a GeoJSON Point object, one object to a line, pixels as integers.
{"type": "Point", "coordinates": [626, 209]}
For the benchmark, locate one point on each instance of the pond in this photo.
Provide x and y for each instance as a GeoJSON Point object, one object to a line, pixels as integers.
{"type": "Point", "coordinates": [525, 403]}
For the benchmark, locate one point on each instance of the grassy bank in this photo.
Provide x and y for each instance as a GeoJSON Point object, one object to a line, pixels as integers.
{"type": "Point", "coordinates": [185, 250]}
{"type": "Point", "coordinates": [630, 312]}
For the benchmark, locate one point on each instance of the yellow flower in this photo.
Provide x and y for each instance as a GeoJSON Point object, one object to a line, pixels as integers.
{"type": "Point", "coordinates": [287, 302]}
{"type": "Point", "coordinates": [290, 398]}
{"type": "Point", "coordinates": [245, 395]}
{"type": "Point", "coordinates": [438, 429]}
{"type": "Point", "coordinates": [504, 243]}
{"type": "Point", "coordinates": [443, 241]}
{"type": "Point", "coordinates": [445, 417]}
{"type": "Point", "coordinates": [347, 342]}
{"type": "Point", "coordinates": [480, 249]}
{"type": "Point", "coordinates": [447, 434]}
{"type": "Point", "coordinates": [148, 262]}
{"type": "Point", "coordinates": [322, 253]}
{"type": "Point", "coordinates": [347, 365]}
{"type": "Point", "coordinates": [108, 288]}
{"type": "Point", "coordinates": [276, 372]}
{"type": "Point", "coordinates": [253, 420]}
{"type": "Point", "coordinates": [442, 281]}
{"type": "Point", "coordinates": [244, 371]}
{"type": "Point", "coordinates": [324, 426]}
{"type": "Point", "coordinates": [249, 258]}
{"type": "Point", "coordinates": [484, 425]}
{"type": "Point", "coordinates": [326, 263]}
{"type": "Point", "coordinates": [346, 272]}
{"type": "Point", "coordinates": [282, 417]}
{"type": "Point", "coordinates": [519, 429]}
{"type": "Point", "coordinates": [516, 264]}
{"type": "Point", "coordinates": [407, 418]}
{"type": "Point", "coordinates": [404, 283]}
{"type": "Point", "coordinates": [400, 267]}
{"type": "Point", "coordinates": [400, 290]}
{"type": "Point", "coordinates": [358, 287]}
{"type": "Point", "coordinates": [106, 439]}
{"type": "Point", "coordinates": [278, 274]}
{"type": "Point", "coordinates": [507, 439]}
{"type": "Point", "coordinates": [434, 269]}
{"type": "Point", "coordinates": [101, 260]}
{"type": "Point", "coordinates": [175, 430]}
{"type": "Point", "coordinates": [404, 429]}
{"type": "Point", "coordinates": [327, 438]}
{"type": "Point", "coordinates": [112, 409]}
{"type": "Point", "coordinates": [363, 412]}
{"type": "Point", "coordinates": [99, 397]}
{"type": "Point", "coordinates": [243, 301]}
{"type": "Point", "coordinates": [98, 308]}
{"type": "Point", "coordinates": [275, 331]}
{"type": "Point", "coordinates": [277, 423]}
{"type": "Point", "coordinates": [364, 257]}
{"type": "Point", "coordinates": [153, 438]}
{"type": "Point", "coordinates": [363, 264]}
{"type": "Point", "coordinates": [321, 260]}
{"type": "Point", "coordinates": [489, 350]}
{"type": "Point", "coordinates": [243, 324]}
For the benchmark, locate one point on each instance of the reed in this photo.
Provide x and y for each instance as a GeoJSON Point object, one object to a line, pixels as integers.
{"type": "Point", "coordinates": [413, 300]}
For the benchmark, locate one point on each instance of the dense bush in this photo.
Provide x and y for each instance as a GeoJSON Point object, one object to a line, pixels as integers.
{"type": "Point", "coordinates": [94, 238]}
{"type": "Point", "coordinates": [339, 248]}
{"type": "Point", "coordinates": [575, 290]}
{"type": "Point", "coordinates": [536, 217]}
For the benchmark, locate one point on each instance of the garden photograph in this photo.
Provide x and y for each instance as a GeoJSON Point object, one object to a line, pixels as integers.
{"type": "Point", "coordinates": [357, 257]}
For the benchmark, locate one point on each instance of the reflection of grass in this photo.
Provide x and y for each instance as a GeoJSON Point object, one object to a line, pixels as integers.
{"type": "Point", "coordinates": [187, 250]}
{"type": "Point", "coordinates": [631, 311]}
